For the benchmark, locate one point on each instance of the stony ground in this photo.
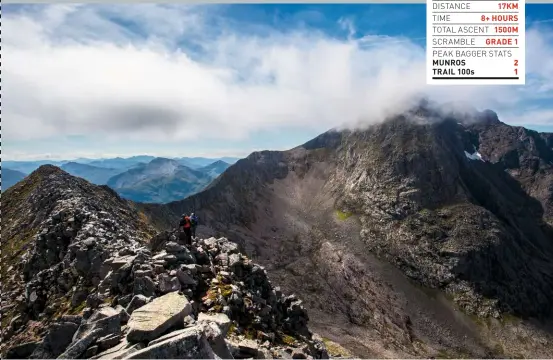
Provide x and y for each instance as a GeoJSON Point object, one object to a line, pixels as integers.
{"type": "Point", "coordinates": [200, 301]}
{"type": "Point", "coordinates": [89, 286]}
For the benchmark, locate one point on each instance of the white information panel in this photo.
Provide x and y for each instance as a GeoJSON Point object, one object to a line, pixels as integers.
{"type": "Point", "coordinates": [478, 42]}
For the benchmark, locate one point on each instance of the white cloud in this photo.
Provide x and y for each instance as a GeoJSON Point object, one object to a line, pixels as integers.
{"type": "Point", "coordinates": [71, 70]}
{"type": "Point", "coordinates": [539, 117]}
{"type": "Point", "coordinates": [539, 47]}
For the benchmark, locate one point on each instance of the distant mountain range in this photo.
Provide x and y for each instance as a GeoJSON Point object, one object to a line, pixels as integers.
{"type": "Point", "coordinates": [94, 174]}
{"type": "Point", "coordinates": [164, 180]}
{"type": "Point", "coordinates": [140, 178]}
{"type": "Point", "coordinates": [122, 163]}
{"type": "Point", "coordinates": [199, 162]}
{"type": "Point", "coordinates": [10, 177]}
{"type": "Point", "coordinates": [28, 167]}
{"type": "Point", "coordinates": [215, 169]}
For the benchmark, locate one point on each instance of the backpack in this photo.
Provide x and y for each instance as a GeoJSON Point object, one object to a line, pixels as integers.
{"type": "Point", "coordinates": [194, 220]}
{"type": "Point", "coordinates": [187, 223]}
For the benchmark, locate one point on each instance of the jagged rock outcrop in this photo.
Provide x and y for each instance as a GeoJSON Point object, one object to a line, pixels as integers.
{"type": "Point", "coordinates": [91, 286]}
{"type": "Point", "coordinates": [57, 233]}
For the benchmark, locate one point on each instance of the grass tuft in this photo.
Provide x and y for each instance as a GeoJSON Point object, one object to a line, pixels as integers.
{"type": "Point", "coordinates": [288, 340]}
{"type": "Point", "coordinates": [78, 309]}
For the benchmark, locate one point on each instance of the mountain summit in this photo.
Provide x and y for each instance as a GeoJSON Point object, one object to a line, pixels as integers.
{"type": "Point", "coordinates": [215, 169]}
{"type": "Point", "coordinates": [161, 180]}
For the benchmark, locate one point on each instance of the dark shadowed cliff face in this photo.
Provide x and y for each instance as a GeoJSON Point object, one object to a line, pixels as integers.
{"type": "Point", "coordinates": [525, 154]}
{"type": "Point", "coordinates": [447, 220]}
{"type": "Point", "coordinates": [456, 203]}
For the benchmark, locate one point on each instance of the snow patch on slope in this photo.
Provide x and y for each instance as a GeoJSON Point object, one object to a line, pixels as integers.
{"type": "Point", "coordinates": [474, 156]}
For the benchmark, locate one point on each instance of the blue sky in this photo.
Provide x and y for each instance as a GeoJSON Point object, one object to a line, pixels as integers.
{"type": "Point", "coordinates": [226, 80]}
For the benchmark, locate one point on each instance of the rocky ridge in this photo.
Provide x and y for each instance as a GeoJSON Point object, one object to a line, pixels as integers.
{"type": "Point", "coordinates": [90, 285]}
{"type": "Point", "coordinates": [57, 231]}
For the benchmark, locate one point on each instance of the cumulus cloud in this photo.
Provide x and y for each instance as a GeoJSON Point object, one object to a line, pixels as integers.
{"type": "Point", "coordinates": [162, 72]}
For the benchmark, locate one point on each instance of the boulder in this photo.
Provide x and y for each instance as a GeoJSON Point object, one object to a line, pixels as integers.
{"type": "Point", "coordinates": [108, 341]}
{"type": "Point", "coordinates": [229, 247]}
{"type": "Point", "coordinates": [216, 340]}
{"type": "Point", "coordinates": [80, 346]}
{"type": "Point", "coordinates": [153, 319]}
{"type": "Point", "coordinates": [234, 260]}
{"type": "Point", "coordinates": [119, 351]}
{"type": "Point", "coordinates": [106, 321]}
{"type": "Point", "coordinates": [168, 284]}
{"type": "Point", "coordinates": [221, 320]}
{"type": "Point", "coordinates": [167, 336]}
{"type": "Point", "coordinates": [123, 314]}
{"type": "Point", "coordinates": [22, 351]}
{"type": "Point", "coordinates": [78, 297]}
{"type": "Point", "coordinates": [157, 241]}
{"type": "Point", "coordinates": [102, 313]}
{"type": "Point", "coordinates": [59, 337]}
{"type": "Point", "coordinates": [191, 344]}
{"type": "Point", "coordinates": [136, 302]}
{"type": "Point", "coordinates": [144, 286]}
{"type": "Point", "coordinates": [93, 300]}
{"type": "Point", "coordinates": [298, 354]}
{"type": "Point", "coordinates": [244, 348]}
{"type": "Point", "coordinates": [210, 242]}
{"type": "Point", "coordinates": [126, 251]}
{"type": "Point", "coordinates": [173, 247]}
{"type": "Point", "coordinates": [91, 351]}
{"type": "Point", "coordinates": [119, 262]}
{"type": "Point", "coordinates": [75, 319]}
{"type": "Point", "coordinates": [185, 279]}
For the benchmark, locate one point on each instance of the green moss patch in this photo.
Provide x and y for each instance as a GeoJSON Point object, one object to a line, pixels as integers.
{"type": "Point", "coordinates": [287, 339]}
{"type": "Point", "coordinates": [343, 215]}
{"type": "Point", "coordinates": [335, 349]}
{"type": "Point", "coordinates": [232, 329]}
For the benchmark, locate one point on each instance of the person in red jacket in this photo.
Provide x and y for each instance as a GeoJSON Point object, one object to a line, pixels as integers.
{"type": "Point", "coordinates": [186, 226]}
